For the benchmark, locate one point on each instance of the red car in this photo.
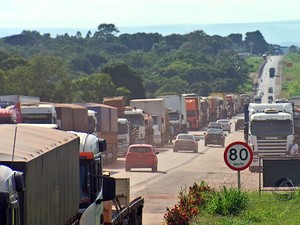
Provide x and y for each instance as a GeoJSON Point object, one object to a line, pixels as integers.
{"type": "Point", "coordinates": [141, 156]}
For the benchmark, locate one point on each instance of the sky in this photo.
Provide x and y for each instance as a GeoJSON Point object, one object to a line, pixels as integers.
{"type": "Point", "coordinates": [33, 14]}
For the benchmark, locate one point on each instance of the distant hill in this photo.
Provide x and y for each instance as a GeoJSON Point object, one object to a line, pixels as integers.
{"type": "Point", "coordinates": [284, 33]}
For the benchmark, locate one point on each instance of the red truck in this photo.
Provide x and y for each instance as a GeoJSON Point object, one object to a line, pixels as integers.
{"type": "Point", "coordinates": [193, 112]}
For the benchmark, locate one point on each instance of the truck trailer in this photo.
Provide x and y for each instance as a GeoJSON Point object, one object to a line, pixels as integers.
{"type": "Point", "coordinates": [157, 109]}
{"type": "Point", "coordinates": [177, 112]}
{"type": "Point", "coordinates": [107, 128]}
{"type": "Point", "coordinates": [193, 112]}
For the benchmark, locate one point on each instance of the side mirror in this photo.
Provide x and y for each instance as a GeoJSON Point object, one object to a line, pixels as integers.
{"type": "Point", "coordinates": [109, 188]}
{"type": "Point", "coordinates": [102, 145]}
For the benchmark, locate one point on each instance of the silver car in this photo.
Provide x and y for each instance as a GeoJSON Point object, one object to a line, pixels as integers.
{"type": "Point", "coordinates": [226, 124]}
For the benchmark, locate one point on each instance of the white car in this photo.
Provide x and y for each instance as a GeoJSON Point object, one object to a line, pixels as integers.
{"type": "Point", "coordinates": [226, 124]}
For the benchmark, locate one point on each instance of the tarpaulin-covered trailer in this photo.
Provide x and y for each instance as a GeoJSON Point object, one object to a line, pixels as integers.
{"type": "Point", "coordinates": [72, 117]}
{"type": "Point", "coordinates": [49, 159]}
{"type": "Point", "coordinates": [107, 125]}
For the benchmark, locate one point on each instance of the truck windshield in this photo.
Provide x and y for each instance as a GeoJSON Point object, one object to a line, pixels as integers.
{"type": "Point", "coordinates": [135, 120]}
{"type": "Point", "coordinates": [37, 118]}
{"type": "Point", "coordinates": [271, 127]}
{"type": "Point", "coordinates": [122, 128]}
{"type": "Point", "coordinates": [173, 116]}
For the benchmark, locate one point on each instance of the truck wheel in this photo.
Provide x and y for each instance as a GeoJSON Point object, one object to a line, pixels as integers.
{"type": "Point", "coordinates": [175, 150]}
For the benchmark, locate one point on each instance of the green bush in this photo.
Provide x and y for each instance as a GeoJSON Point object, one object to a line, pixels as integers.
{"type": "Point", "coordinates": [228, 202]}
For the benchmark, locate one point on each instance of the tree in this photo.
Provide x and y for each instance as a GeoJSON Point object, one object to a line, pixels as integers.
{"type": "Point", "coordinates": [201, 88]}
{"type": "Point", "coordinates": [174, 85]}
{"type": "Point", "coordinates": [255, 43]}
{"type": "Point", "coordinates": [45, 77]}
{"type": "Point", "coordinates": [124, 76]}
{"type": "Point", "coordinates": [106, 31]}
{"type": "Point", "coordinates": [93, 88]}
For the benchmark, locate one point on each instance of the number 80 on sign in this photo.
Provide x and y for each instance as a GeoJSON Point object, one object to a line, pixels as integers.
{"type": "Point", "coordinates": [238, 156]}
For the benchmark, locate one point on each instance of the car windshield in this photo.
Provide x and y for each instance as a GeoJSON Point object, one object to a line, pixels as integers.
{"type": "Point", "coordinates": [214, 130]}
{"type": "Point", "coordinates": [223, 121]}
{"type": "Point", "coordinates": [216, 125]}
{"type": "Point", "coordinates": [140, 149]}
{"type": "Point", "coordinates": [186, 137]}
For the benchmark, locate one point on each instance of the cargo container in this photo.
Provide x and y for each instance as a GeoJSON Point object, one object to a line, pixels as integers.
{"type": "Point", "coordinates": [157, 109]}
{"type": "Point", "coordinates": [107, 119]}
{"type": "Point", "coordinates": [72, 117]}
{"type": "Point", "coordinates": [118, 102]}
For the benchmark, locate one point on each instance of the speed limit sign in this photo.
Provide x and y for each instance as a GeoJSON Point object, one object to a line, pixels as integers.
{"type": "Point", "coordinates": [238, 156]}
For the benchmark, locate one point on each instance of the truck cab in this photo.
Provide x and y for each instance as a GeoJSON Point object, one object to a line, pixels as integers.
{"type": "Point", "coordinates": [270, 130]}
{"type": "Point", "coordinates": [95, 188]}
{"type": "Point", "coordinates": [123, 136]}
{"type": "Point", "coordinates": [11, 184]}
{"type": "Point", "coordinates": [39, 114]}
{"type": "Point", "coordinates": [137, 124]}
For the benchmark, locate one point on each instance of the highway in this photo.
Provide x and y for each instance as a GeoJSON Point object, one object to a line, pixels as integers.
{"type": "Point", "coordinates": [265, 82]}
{"type": "Point", "coordinates": [178, 171]}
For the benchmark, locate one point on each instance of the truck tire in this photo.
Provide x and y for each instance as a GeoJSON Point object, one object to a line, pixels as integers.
{"type": "Point", "coordinates": [175, 150]}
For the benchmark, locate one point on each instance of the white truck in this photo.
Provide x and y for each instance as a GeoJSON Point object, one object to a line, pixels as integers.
{"type": "Point", "coordinates": [269, 130]}
{"type": "Point", "coordinates": [38, 113]}
{"type": "Point", "coordinates": [177, 112]}
{"type": "Point", "coordinates": [123, 136]}
{"type": "Point", "coordinates": [157, 109]}
{"type": "Point", "coordinates": [136, 117]}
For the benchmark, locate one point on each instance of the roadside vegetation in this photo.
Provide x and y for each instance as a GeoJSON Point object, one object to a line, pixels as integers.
{"type": "Point", "coordinates": [291, 74]}
{"type": "Point", "coordinates": [89, 67]}
{"type": "Point", "coordinates": [201, 204]}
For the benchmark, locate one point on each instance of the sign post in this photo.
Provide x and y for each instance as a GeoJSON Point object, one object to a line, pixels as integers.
{"type": "Point", "coordinates": [238, 156]}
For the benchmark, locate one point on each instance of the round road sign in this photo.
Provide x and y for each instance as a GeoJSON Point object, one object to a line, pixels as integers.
{"type": "Point", "coordinates": [238, 156]}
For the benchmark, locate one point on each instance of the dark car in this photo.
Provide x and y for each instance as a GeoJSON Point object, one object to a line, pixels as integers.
{"type": "Point", "coordinates": [141, 156]}
{"type": "Point", "coordinates": [239, 124]}
{"type": "Point", "coordinates": [270, 90]}
{"type": "Point", "coordinates": [185, 142]}
{"type": "Point", "coordinates": [214, 136]}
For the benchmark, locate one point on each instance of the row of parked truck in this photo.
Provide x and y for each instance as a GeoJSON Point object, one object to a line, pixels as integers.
{"type": "Point", "coordinates": [56, 176]}
{"type": "Point", "coordinates": [50, 176]}
{"type": "Point", "coordinates": [123, 123]}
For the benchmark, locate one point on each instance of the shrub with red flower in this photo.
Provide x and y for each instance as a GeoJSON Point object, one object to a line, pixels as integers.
{"type": "Point", "coordinates": [189, 204]}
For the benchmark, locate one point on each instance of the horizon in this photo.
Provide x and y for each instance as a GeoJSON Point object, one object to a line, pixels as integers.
{"type": "Point", "coordinates": [268, 29]}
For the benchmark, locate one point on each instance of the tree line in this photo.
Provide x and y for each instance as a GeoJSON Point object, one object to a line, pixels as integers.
{"type": "Point", "coordinates": [87, 68]}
